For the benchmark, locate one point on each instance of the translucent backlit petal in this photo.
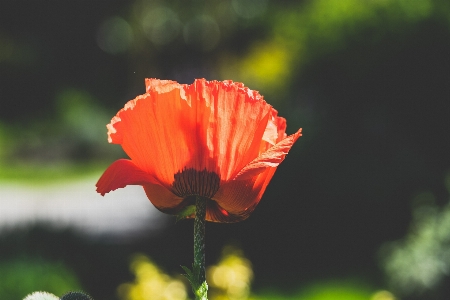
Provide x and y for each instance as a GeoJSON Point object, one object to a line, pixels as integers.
{"type": "Point", "coordinates": [217, 126]}
{"type": "Point", "coordinates": [121, 173]}
{"type": "Point", "coordinates": [231, 122]}
{"type": "Point", "coordinates": [149, 128]}
{"type": "Point", "coordinates": [163, 199]}
{"type": "Point", "coordinates": [269, 159]}
{"type": "Point", "coordinates": [182, 137]}
{"type": "Point", "coordinates": [240, 197]}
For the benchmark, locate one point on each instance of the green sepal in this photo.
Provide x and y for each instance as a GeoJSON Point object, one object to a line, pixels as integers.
{"type": "Point", "coordinates": [186, 212]}
{"type": "Point", "coordinates": [200, 290]}
{"type": "Point", "coordinates": [192, 276]}
{"type": "Point", "coordinates": [188, 274]}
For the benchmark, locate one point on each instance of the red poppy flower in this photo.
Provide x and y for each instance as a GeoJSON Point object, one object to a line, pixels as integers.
{"type": "Point", "coordinates": [218, 140]}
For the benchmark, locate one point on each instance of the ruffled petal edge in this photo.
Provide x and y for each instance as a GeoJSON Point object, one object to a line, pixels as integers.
{"type": "Point", "coordinates": [270, 158]}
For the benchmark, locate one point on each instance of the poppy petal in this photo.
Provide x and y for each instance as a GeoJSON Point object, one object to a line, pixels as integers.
{"type": "Point", "coordinates": [150, 130]}
{"type": "Point", "coordinates": [163, 199]}
{"type": "Point", "coordinates": [218, 140]}
{"type": "Point", "coordinates": [234, 121]}
{"type": "Point", "coordinates": [271, 158]}
{"type": "Point", "coordinates": [275, 130]}
{"type": "Point", "coordinates": [121, 173]}
{"type": "Point", "coordinates": [215, 213]}
{"type": "Point", "coordinates": [238, 198]}
{"type": "Point", "coordinates": [217, 126]}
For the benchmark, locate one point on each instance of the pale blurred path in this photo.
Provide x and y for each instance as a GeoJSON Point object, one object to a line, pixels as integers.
{"type": "Point", "coordinates": [122, 213]}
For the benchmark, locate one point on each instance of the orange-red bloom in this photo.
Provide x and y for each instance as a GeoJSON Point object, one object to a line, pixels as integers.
{"type": "Point", "coordinates": [219, 140]}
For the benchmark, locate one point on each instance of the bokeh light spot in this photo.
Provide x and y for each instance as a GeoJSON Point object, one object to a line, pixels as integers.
{"type": "Point", "coordinates": [6, 49]}
{"type": "Point", "coordinates": [249, 9]}
{"type": "Point", "coordinates": [161, 25]}
{"type": "Point", "coordinates": [383, 295]}
{"type": "Point", "coordinates": [202, 33]}
{"type": "Point", "coordinates": [114, 35]}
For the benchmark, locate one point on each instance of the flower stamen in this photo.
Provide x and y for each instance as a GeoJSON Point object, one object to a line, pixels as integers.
{"type": "Point", "coordinates": [190, 182]}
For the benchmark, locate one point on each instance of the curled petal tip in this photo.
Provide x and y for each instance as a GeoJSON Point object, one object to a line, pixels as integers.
{"type": "Point", "coordinates": [271, 158]}
{"type": "Point", "coordinates": [121, 173]}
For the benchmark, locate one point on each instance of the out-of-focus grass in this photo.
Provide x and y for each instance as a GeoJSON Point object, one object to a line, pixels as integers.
{"type": "Point", "coordinates": [68, 145]}
{"type": "Point", "coordinates": [332, 290]}
{"type": "Point", "coordinates": [38, 174]}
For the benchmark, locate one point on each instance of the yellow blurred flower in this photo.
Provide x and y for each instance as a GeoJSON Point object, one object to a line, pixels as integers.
{"type": "Point", "coordinates": [230, 279]}
{"type": "Point", "coordinates": [151, 283]}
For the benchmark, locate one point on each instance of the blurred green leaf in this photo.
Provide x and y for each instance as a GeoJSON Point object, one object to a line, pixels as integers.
{"type": "Point", "coordinates": [21, 277]}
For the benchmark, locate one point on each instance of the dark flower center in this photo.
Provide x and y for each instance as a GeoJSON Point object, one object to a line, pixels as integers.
{"type": "Point", "coordinates": [189, 182]}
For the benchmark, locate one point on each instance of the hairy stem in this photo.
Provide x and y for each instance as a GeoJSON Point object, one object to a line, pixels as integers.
{"type": "Point", "coordinates": [199, 237]}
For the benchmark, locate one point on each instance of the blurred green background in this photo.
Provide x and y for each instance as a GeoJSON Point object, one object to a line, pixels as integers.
{"type": "Point", "coordinates": [358, 208]}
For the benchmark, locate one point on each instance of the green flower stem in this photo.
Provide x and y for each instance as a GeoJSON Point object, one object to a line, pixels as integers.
{"type": "Point", "coordinates": [199, 236]}
{"type": "Point", "coordinates": [196, 276]}
{"type": "Point", "coordinates": [199, 245]}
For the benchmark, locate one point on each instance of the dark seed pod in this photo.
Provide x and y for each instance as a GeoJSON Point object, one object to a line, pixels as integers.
{"type": "Point", "coordinates": [76, 296]}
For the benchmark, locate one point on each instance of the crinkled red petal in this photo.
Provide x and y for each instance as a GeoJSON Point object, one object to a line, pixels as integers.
{"type": "Point", "coordinates": [271, 158]}
{"type": "Point", "coordinates": [121, 173]}
{"type": "Point", "coordinates": [217, 126]}
{"type": "Point", "coordinates": [238, 198]}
